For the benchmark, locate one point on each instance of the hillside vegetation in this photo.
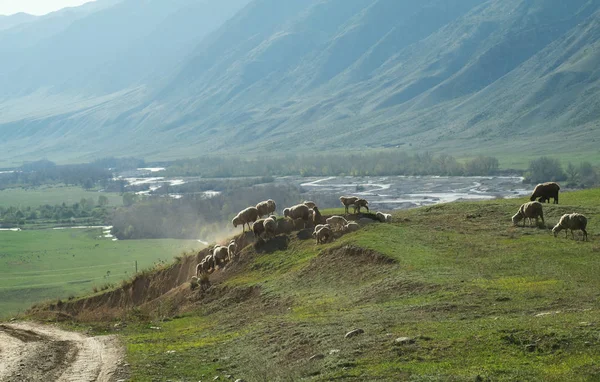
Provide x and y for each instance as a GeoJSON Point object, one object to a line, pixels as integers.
{"type": "Point", "coordinates": [475, 297]}
{"type": "Point", "coordinates": [186, 77]}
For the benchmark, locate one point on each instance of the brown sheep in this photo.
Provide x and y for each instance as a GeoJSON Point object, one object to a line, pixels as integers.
{"type": "Point", "coordinates": [571, 222]}
{"type": "Point", "coordinates": [545, 191]}
{"type": "Point", "coordinates": [258, 228]}
{"type": "Point", "coordinates": [360, 203]}
{"type": "Point", "coordinates": [317, 218]}
{"type": "Point", "coordinates": [347, 201]}
{"type": "Point", "coordinates": [529, 211]}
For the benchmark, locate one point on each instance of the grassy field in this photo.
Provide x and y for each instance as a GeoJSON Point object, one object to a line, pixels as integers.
{"type": "Point", "coordinates": [38, 196]}
{"type": "Point", "coordinates": [49, 264]}
{"type": "Point", "coordinates": [478, 300]}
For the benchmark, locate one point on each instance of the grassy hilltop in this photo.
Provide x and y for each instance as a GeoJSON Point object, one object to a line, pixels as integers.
{"type": "Point", "coordinates": [477, 298]}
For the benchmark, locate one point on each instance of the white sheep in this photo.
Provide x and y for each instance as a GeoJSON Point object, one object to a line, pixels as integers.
{"type": "Point", "coordinates": [266, 208]}
{"type": "Point", "coordinates": [530, 210]}
{"type": "Point", "coordinates": [351, 227]}
{"type": "Point", "coordinates": [247, 216]}
{"type": "Point", "coordinates": [571, 222]}
{"type": "Point", "coordinates": [384, 218]}
{"type": "Point", "coordinates": [347, 201]}
{"type": "Point", "coordinates": [309, 204]}
{"type": "Point", "coordinates": [337, 222]}
{"type": "Point", "coordinates": [205, 265]}
{"type": "Point", "coordinates": [272, 206]}
{"type": "Point", "coordinates": [220, 255]}
{"type": "Point", "coordinates": [270, 225]}
{"type": "Point", "coordinates": [323, 234]}
{"type": "Point", "coordinates": [360, 203]}
{"type": "Point", "coordinates": [296, 212]}
{"type": "Point", "coordinates": [231, 250]}
{"type": "Point", "coordinates": [318, 227]}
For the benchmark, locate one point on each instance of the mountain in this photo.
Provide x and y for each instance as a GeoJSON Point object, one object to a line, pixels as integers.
{"type": "Point", "coordinates": [189, 78]}
{"type": "Point", "coordinates": [7, 22]}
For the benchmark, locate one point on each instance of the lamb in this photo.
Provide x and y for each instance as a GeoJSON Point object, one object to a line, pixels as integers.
{"type": "Point", "coordinates": [309, 204]}
{"type": "Point", "coordinates": [247, 216]}
{"type": "Point", "coordinates": [545, 191]}
{"type": "Point", "coordinates": [258, 228]}
{"type": "Point", "coordinates": [299, 211]}
{"type": "Point", "coordinates": [323, 235]}
{"type": "Point", "coordinates": [266, 208]}
{"type": "Point", "coordinates": [572, 221]}
{"type": "Point", "coordinates": [383, 217]}
{"type": "Point", "coordinates": [220, 255]}
{"type": "Point", "coordinates": [270, 225]}
{"type": "Point", "coordinates": [337, 222]}
{"type": "Point", "coordinates": [351, 227]}
{"type": "Point", "coordinates": [360, 203]}
{"type": "Point", "coordinates": [529, 210]}
{"type": "Point", "coordinates": [231, 250]}
{"type": "Point", "coordinates": [317, 218]}
{"type": "Point", "coordinates": [347, 201]}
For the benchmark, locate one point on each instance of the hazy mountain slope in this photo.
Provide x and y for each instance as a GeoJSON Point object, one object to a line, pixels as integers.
{"type": "Point", "coordinates": [7, 22]}
{"type": "Point", "coordinates": [188, 77]}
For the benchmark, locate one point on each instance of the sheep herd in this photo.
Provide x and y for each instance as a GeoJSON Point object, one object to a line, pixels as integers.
{"type": "Point", "coordinates": [534, 210]}
{"type": "Point", "coordinates": [264, 225]}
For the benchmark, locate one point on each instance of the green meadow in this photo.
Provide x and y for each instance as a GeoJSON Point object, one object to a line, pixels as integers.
{"type": "Point", "coordinates": [52, 195]}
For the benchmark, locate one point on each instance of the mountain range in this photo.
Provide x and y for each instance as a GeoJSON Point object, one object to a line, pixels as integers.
{"type": "Point", "coordinates": [188, 78]}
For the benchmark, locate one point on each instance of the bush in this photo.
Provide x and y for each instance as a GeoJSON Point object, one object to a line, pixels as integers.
{"type": "Point", "coordinates": [545, 169]}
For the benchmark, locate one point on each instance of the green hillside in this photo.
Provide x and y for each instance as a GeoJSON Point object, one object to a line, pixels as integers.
{"type": "Point", "coordinates": [475, 297]}
{"type": "Point", "coordinates": [501, 77]}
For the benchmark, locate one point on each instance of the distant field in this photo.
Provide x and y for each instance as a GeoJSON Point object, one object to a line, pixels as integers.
{"type": "Point", "coordinates": [50, 264]}
{"type": "Point", "coordinates": [52, 195]}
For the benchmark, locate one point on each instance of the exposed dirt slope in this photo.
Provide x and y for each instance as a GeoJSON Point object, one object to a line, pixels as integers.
{"type": "Point", "coordinates": [31, 352]}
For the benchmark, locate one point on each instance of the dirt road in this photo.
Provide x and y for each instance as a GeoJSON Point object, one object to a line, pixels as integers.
{"type": "Point", "coordinates": [31, 352]}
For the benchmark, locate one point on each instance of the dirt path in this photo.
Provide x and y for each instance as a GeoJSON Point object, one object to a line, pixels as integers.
{"type": "Point", "coordinates": [31, 352]}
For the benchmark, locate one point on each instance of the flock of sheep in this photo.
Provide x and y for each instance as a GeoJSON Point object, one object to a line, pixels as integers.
{"type": "Point", "coordinates": [534, 210]}
{"type": "Point", "coordinates": [308, 214]}
{"type": "Point", "coordinates": [305, 214]}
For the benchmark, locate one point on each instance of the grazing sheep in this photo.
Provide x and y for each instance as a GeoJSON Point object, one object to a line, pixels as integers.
{"type": "Point", "coordinates": [347, 201]}
{"type": "Point", "coordinates": [220, 255]}
{"type": "Point", "coordinates": [337, 222]}
{"type": "Point", "coordinates": [318, 227]}
{"type": "Point", "coordinates": [309, 204]}
{"type": "Point", "coordinates": [545, 191]}
{"type": "Point", "coordinates": [323, 235]}
{"type": "Point", "coordinates": [572, 221]}
{"type": "Point", "coordinates": [351, 227]}
{"type": "Point", "coordinates": [296, 212]}
{"type": "Point", "coordinates": [317, 218]}
{"type": "Point", "coordinates": [360, 203]}
{"type": "Point", "coordinates": [270, 225]}
{"type": "Point", "coordinates": [205, 265]}
{"type": "Point", "coordinates": [384, 218]}
{"type": "Point", "coordinates": [231, 250]}
{"type": "Point", "coordinates": [258, 228]}
{"type": "Point", "coordinates": [529, 210]}
{"type": "Point", "coordinates": [247, 216]}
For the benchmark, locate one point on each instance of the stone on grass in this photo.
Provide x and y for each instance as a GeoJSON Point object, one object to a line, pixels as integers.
{"type": "Point", "coordinates": [354, 333]}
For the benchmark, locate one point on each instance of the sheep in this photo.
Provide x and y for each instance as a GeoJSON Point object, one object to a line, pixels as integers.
{"type": "Point", "coordinates": [270, 225]}
{"type": "Point", "coordinates": [545, 191]}
{"type": "Point", "coordinates": [529, 210]}
{"type": "Point", "coordinates": [205, 265]}
{"type": "Point", "coordinates": [572, 221]}
{"type": "Point", "coordinates": [318, 227]}
{"type": "Point", "coordinates": [299, 211]}
{"type": "Point", "coordinates": [317, 218]}
{"type": "Point", "coordinates": [247, 216]}
{"type": "Point", "coordinates": [347, 201]}
{"type": "Point", "coordinates": [220, 255]}
{"type": "Point", "coordinates": [336, 222]}
{"type": "Point", "coordinates": [383, 217]}
{"type": "Point", "coordinates": [351, 227]}
{"type": "Point", "coordinates": [323, 235]}
{"type": "Point", "coordinates": [258, 228]}
{"type": "Point", "coordinates": [266, 208]}
{"type": "Point", "coordinates": [360, 203]}
{"type": "Point", "coordinates": [231, 250]}
{"type": "Point", "coordinates": [309, 204]}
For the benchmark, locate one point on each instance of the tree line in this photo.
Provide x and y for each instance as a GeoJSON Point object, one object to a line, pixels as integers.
{"type": "Point", "coordinates": [545, 169]}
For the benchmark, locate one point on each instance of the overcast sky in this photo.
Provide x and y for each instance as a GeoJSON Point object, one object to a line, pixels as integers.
{"type": "Point", "coordinates": [36, 7]}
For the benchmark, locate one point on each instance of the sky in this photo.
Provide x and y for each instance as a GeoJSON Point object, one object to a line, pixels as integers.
{"type": "Point", "coordinates": [36, 7]}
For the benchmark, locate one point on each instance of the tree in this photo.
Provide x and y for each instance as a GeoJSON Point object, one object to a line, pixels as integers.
{"type": "Point", "coordinates": [103, 201]}
{"type": "Point", "coordinates": [129, 199]}
{"type": "Point", "coordinates": [545, 169]}
{"type": "Point", "coordinates": [572, 173]}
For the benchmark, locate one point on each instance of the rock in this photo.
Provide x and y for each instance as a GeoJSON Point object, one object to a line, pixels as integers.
{"type": "Point", "coordinates": [316, 357]}
{"type": "Point", "coordinates": [215, 378]}
{"type": "Point", "coordinates": [155, 328]}
{"type": "Point", "coordinates": [228, 376]}
{"type": "Point", "coordinates": [334, 351]}
{"type": "Point", "coordinates": [354, 333]}
{"type": "Point", "coordinates": [404, 341]}
{"type": "Point", "coordinates": [239, 380]}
